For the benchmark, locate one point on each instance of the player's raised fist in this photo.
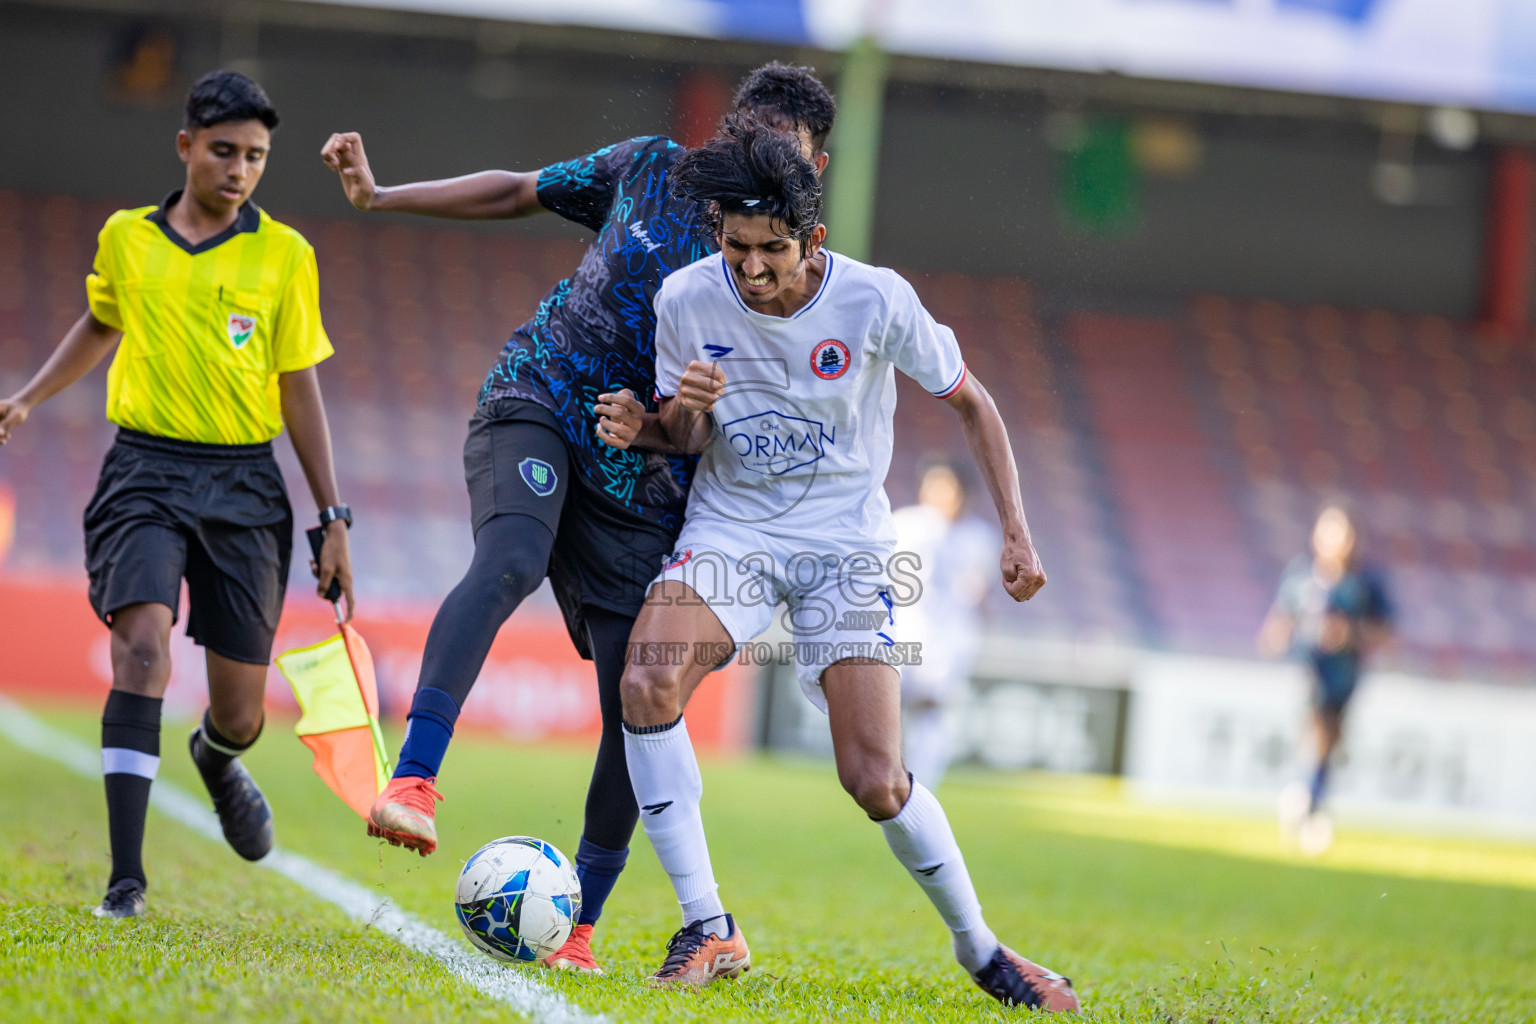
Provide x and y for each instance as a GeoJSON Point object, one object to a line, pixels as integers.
{"type": "Point", "coordinates": [701, 386]}
{"type": "Point", "coordinates": [12, 415]}
{"type": "Point", "coordinates": [343, 153]}
{"type": "Point", "coordinates": [619, 418]}
{"type": "Point", "coordinates": [1023, 575]}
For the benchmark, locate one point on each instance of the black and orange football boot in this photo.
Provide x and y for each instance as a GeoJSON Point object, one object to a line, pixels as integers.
{"type": "Point", "coordinates": [696, 957]}
{"type": "Point", "coordinates": [1014, 981]}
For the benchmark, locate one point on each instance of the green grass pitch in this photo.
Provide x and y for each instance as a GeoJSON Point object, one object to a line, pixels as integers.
{"type": "Point", "coordinates": [1159, 915]}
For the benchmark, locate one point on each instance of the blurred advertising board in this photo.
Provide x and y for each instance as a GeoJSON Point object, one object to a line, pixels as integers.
{"type": "Point", "coordinates": [533, 687]}
{"type": "Point", "coordinates": [1215, 730]}
{"type": "Point", "coordinates": [1477, 53]}
{"type": "Point", "coordinates": [1003, 724]}
{"type": "Point", "coordinates": [1436, 751]}
{"type": "Point", "coordinates": [1053, 709]}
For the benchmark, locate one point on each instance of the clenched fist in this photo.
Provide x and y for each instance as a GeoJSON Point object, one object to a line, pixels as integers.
{"type": "Point", "coordinates": [701, 386]}
{"type": "Point", "coordinates": [1023, 575]}
{"type": "Point", "coordinates": [12, 415]}
{"type": "Point", "coordinates": [619, 418]}
{"type": "Point", "coordinates": [343, 153]}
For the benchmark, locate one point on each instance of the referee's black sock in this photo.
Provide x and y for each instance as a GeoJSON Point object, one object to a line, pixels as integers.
{"type": "Point", "coordinates": [130, 757]}
{"type": "Point", "coordinates": [218, 750]}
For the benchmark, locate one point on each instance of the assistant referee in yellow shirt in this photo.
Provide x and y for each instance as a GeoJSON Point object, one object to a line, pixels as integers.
{"type": "Point", "coordinates": [217, 308]}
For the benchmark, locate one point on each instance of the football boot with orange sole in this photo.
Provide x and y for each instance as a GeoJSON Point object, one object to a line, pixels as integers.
{"type": "Point", "coordinates": [1014, 981]}
{"type": "Point", "coordinates": [696, 957]}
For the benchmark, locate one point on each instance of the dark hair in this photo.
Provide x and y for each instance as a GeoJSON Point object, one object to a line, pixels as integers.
{"type": "Point", "coordinates": [788, 96]}
{"type": "Point", "coordinates": [221, 96]}
{"type": "Point", "coordinates": [752, 168]}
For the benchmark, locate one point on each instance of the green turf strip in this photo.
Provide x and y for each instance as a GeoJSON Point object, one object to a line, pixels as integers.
{"type": "Point", "coordinates": [222, 941]}
{"type": "Point", "coordinates": [1150, 931]}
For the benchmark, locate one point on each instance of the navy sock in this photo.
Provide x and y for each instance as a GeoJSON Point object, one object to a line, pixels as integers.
{"type": "Point", "coordinates": [598, 869]}
{"type": "Point", "coordinates": [428, 728]}
{"type": "Point", "coordinates": [1319, 784]}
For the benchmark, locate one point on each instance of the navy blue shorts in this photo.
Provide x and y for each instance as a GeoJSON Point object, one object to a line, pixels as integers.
{"type": "Point", "coordinates": [604, 555]}
{"type": "Point", "coordinates": [1334, 677]}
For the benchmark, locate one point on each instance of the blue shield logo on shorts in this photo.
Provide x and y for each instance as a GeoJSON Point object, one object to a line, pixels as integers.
{"type": "Point", "coordinates": [539, 476]}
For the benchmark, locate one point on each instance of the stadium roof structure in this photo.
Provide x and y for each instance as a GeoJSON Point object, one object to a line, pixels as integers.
{"type": "Point", "coordinates": [1476, 53]}
{"type": "Point", "coordinates": [1348, 61]}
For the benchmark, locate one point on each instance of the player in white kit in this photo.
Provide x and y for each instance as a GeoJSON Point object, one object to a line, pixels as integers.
{"type": "Point", "coordinates": [775, 359]}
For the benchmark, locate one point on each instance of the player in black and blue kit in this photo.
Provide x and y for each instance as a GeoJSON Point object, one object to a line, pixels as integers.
{"type": "Point", "coordinates": [1331, 611]}
{"type": "Point", "coordinates": [549, 494]}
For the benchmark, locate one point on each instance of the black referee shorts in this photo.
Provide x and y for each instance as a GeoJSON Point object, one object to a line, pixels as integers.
{"type": "Point", "coordinates": [516, 462]}
{"type": "Point", "coordinates": [216, 514]}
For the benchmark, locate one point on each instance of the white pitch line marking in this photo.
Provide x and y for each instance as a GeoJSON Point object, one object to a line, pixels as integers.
{"type": "Point", "coordinates": [507, 985]}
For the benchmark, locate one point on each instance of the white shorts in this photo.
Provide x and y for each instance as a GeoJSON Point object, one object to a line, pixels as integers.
{"type": "Point", "coordinates": [839, 604]}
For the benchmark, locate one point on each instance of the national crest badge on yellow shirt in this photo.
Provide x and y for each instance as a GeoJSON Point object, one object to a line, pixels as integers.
{"type": "Point", "coordinates": [240, 328]}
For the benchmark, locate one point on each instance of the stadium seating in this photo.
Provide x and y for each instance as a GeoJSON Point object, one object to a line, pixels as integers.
{"type": "Point", "coordinates": [1171, 462]}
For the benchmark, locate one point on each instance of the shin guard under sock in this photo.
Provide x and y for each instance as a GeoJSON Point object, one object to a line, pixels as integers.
{"type": "Point", "coordinates": [599, 869]}
{"type": "Point", "coordinates": [921, 839]}
{"type": "Point", "coordinates": [130, 758]}
{"type": "Point", "coordinates": [428, 729]}
{"type": "Point", "coordinates": [668, 786]}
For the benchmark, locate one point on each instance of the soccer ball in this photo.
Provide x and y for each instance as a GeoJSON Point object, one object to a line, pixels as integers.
{"type": "Point", "coordinates": [517, 899]}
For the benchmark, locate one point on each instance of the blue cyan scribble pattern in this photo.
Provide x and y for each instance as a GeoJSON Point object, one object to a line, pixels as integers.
{"type": "Point", "coordinates": [596, 331]}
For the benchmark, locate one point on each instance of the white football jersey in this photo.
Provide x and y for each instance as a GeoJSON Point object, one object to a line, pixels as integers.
{"type": "Point", "coordinates": [802, 433]}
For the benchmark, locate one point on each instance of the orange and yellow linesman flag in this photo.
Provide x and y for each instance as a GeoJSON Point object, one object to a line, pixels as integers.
{"type": "Point", "coordinates": [333, 681]}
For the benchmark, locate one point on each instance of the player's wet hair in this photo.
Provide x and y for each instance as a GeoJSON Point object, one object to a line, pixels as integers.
{"type": "Point", "coordinates": [788, 96]}
{"type": "Point", "coordinates": [755, 169]}
{"type": "Point", "coordinates": [221, 96]}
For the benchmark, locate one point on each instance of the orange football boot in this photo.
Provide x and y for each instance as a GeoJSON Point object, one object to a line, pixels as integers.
{"type": "Point", "coordinates": [404, 814]}
{"type": "Point", "coordinates": [696, 957]}
{"type": "Point", "coordinates": [576, 953]}
{"type": "Point", "coordinates": [1014, 981]}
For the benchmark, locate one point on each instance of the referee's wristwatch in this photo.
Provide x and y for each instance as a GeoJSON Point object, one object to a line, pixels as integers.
{"type": "Point", "coordinates": [331, 513]}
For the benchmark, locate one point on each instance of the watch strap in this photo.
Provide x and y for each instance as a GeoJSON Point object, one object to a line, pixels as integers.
{"type": "Point", "coordinates": [331, 513]}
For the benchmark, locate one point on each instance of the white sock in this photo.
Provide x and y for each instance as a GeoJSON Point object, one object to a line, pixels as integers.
{"type": "Point", "coordinates": [712, 923]}
{"type": "Point", "coordinates": [665, 775]}
{"type": "Point", "coordinates": [921, 839]}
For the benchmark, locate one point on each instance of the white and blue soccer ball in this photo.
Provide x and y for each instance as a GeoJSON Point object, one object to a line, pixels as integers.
{"type": "Point", "coordinates": [518, 898]}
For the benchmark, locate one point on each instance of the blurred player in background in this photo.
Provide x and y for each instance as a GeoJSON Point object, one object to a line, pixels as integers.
{"type": "Point", "coordinates": [1331, 611]}
{"type": "Point", "coordinates": [546, 498]}
{"type": "Point", "coordinates": [217, 308]}
{"type": "Point", "coordinates": [790, 507]}
{"type": "Point", "coordinates": [955, 554]}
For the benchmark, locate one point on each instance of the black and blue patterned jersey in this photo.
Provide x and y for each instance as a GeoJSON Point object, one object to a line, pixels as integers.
{"type": "Point", "coordinates": [595, 332]}
{"type": "Point", "coordinates": [1360, 595]}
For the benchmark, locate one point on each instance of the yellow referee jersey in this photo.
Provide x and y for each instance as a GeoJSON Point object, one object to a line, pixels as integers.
{"type": "Point", "coordinates": [206, 328]}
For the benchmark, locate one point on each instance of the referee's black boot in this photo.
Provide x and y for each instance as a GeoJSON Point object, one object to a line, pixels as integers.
{"type": "Point", "coordinates": [124, 899]}
{"type": "Point", "coordinates": [243, 811]}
